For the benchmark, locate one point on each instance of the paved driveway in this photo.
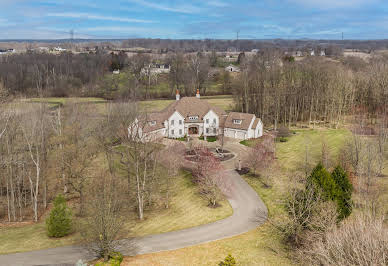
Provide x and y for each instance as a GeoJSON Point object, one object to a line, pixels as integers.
{"type": "Point", "coordinates": [246, 205]}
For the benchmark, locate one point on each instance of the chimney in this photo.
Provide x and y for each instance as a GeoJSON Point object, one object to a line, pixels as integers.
{"type": "Point", "coordinates": [198, 95]}
{"type": "Point", "coordinates": [177, 96]}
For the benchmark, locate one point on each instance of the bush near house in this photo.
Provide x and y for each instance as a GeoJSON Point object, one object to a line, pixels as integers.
{"type": "Point", "coordinates": [60, 219]}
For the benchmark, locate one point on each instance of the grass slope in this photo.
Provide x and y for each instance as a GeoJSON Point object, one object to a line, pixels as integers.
{"type": "Point", "coordinates": [187, 209]}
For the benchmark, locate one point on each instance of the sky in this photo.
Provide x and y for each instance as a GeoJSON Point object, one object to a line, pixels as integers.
{"type": "Point", "coordinates": [194, 19]}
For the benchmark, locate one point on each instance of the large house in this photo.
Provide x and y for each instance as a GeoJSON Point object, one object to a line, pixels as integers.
{"type": "Point", "coordinates": [191, 116]}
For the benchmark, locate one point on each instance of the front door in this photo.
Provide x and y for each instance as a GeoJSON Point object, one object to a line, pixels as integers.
{"type": "Point", "coordinates": [193, 130]}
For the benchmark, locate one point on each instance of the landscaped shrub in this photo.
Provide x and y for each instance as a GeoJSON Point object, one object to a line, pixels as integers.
{"type": "Point", "coordinates": [228, 261]}
{"type": "Point", "coordinates": [282, 139]}
{"type": "Point", "coordinates": [115, 259]}
{"type": "Point", "coordinates": [59, 222]}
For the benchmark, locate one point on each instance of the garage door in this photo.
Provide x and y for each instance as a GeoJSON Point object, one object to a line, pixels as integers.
{"type": "Point", "coordinates": [240, 135]}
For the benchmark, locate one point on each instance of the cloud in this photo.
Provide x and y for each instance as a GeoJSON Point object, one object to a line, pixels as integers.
{"type": "Point", "coordinates": [96, 17]}
{"type": "Point", "coordinates": [186, 9]}
{"type": "Point", "coordinates": [333, 4]}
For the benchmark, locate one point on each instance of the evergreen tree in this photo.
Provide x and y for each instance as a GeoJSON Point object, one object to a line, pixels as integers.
{"type": "Point", "coordinates": [228, 261]}
{"type": "Point", "coordinates": [59, 222]}
{"type": "Point", "coordinates": [321, 179]}
{"type": "Point", "coordinates": [344, 191]}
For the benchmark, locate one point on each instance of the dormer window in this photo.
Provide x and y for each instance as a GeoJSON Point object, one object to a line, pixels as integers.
{"type": "Point", "coordinates": [237, 121]}
{"type": "Point", "coordinates": [152, 123]}
{"type": "Point", "coordinates": [193, 117]}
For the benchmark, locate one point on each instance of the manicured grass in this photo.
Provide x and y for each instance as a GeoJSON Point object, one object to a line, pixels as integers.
{"type": "Point", "coordinates": [55, 101]}
{"type": "Point", "coordinates": [187, 209]}
{"type": "Point", "coordinates": [222, 101]}
{"type": "Point", "coordinates": [291, 154]}
{"type": "Point", "coordinates": [154, 105]}
{"type": "Point", "coordinates": [263, 246]}
{"type": "Point", "coordinates": [209, 139]}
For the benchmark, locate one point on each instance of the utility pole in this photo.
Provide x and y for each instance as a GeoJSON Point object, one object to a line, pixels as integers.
{"type": "Point", "coordinates": [237, 35]}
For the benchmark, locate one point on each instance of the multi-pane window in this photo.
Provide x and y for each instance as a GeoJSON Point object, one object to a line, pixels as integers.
{"type": "Point", "coordinates": [237, 121]}
{"type": "Point", "coordinates": [172, 122]}
{"type": "Point", "coordinates": [172, 132]}
{"type": "Point", "coordinates": [180, 122]}
{"type": "Point", "coordinates": [180, 131]}
{"type": "Point", "coordinates": [214, 130]}
{"type": "Point", "coordinates": [207, 121]}
{"type": "Point", "coordinates": [207, 130]}
{"type": "Point", "coordinates": [215, 121]}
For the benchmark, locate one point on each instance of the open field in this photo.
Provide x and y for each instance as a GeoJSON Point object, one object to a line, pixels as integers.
{"type": "Point", "coordinates": [187, 209]}
{"type": "Point", "coordinates": [262, 246]}
{"type": "Point", "coordinates": [222, 101]}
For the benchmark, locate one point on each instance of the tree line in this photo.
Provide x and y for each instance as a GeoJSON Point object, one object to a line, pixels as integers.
{"type": "Point", "coordinates": [313, 90]}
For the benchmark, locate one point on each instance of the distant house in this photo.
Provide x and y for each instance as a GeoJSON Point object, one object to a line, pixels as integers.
{"type": "Point", "coordinates": [232, 68]}
{"type": "Point", "coordinates": [322, 53]}
{"type": "Point", "coordinates": [230, 57]}
{"type": "Point", "coordinates": [191, 116]}
{"type": "Point", "coordinates": [298, 53]}
{"type": "Point", "coordinates": [7, 51]}
{"type": "Point", "coordinates": [116, 71]}
{"type": "Point", "coordinates": [59, 49]}
{"type": "Point", "coordinates": [255, 51]}
{"type": "Point", "coordinates": [156, 69]}
{"type": "Point", "coordinates": [312, 53]}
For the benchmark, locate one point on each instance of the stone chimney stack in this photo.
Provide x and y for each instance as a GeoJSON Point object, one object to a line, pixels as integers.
{"type": "Point", "coordinates": [198, 95]}
{"type": "Point", "coordinates": [177, 96]}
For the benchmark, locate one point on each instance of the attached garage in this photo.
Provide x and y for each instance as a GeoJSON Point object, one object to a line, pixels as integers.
{"type": "Point", "coordinates": [240, 135]}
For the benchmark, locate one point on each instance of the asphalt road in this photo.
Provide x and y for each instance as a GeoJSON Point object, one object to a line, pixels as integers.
{"type": "Point", "coordinates": [246, 205]}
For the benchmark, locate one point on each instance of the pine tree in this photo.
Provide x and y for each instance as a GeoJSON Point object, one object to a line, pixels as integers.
{"type": "Point", "coordinates": [321, 179]}
{"type": "Point", "coordinates": [59, 222]}
{"type": "Point", "coordinates": [344, 192]}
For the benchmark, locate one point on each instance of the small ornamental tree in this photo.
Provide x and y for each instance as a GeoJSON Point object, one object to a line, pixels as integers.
{"type": "Point", "coordinates": [344, 192]}
{"type": "Point", "coordinates": [228, 261]}
{"type": "Point", "coordinates": [59, 222]}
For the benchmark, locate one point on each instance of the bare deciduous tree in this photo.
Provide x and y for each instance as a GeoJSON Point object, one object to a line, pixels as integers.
{"type": "Point", "coordinates": [171, 158]}
{"type": "Point", "coordinates": [106, 215]}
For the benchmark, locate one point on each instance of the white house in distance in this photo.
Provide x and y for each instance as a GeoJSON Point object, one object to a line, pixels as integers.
{"type": "Point", "coordinates": [232, 68]}
{"type": "Point", "coordinates": [191, 116]}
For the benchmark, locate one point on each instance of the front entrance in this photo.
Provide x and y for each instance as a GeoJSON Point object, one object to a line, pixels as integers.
{"type": "Point", "coordinates": [193, 130]}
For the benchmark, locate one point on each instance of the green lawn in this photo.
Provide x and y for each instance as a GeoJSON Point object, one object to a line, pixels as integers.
{"type": "Point", "coordinates": [55, 101]}
{"type": "Point", "coordinates": [222, 101]}
{"type": "Point", "coordinates": [187, 209]}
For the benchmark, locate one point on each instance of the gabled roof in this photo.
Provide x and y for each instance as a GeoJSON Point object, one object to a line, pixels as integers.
{"type": "Point", "coordinates": [246, 120]}
{"type": "Point", "coordinates": [255, 123]}
{"type": "Point", "coordinates": [191, 106]}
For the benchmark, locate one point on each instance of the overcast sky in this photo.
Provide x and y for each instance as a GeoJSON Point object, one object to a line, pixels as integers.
{"type": "Point", "coordinates": [194, 19]}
